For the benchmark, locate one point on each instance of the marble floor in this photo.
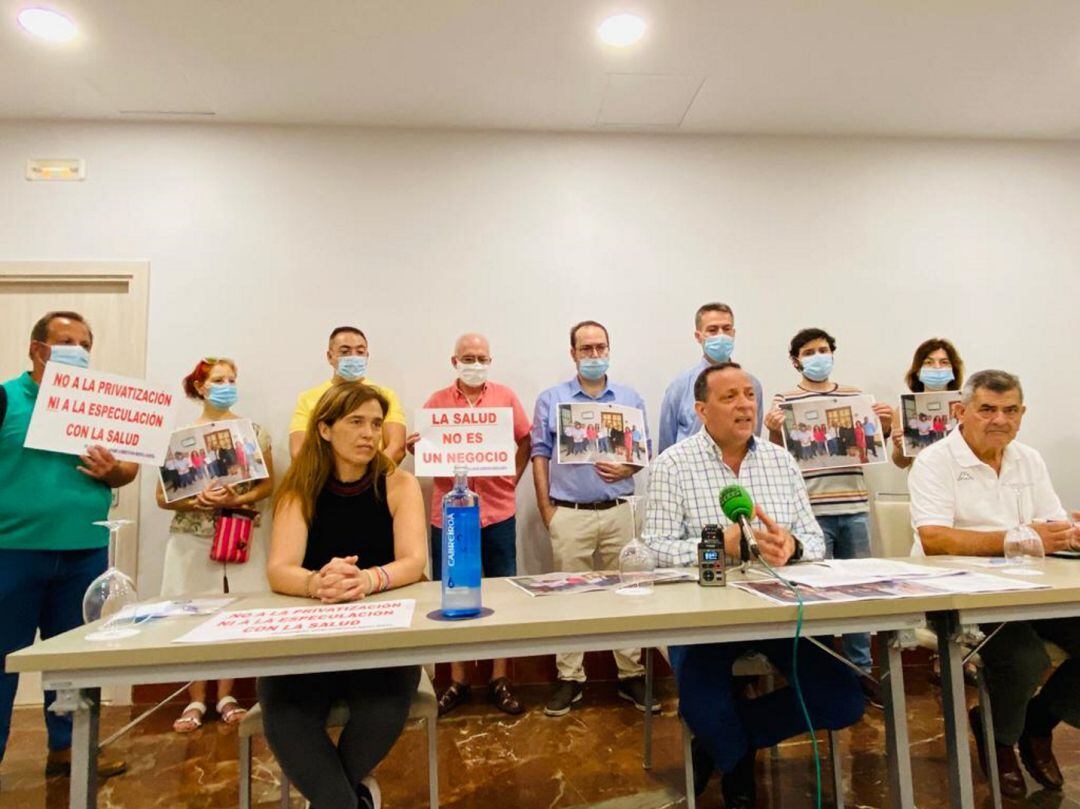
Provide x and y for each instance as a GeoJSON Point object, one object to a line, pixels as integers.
{"type": "Point", "coordinates": [590, 758]}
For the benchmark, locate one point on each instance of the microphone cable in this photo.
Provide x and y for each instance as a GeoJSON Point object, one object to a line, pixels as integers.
{"type": "Point", "coordinates": [795, 674]}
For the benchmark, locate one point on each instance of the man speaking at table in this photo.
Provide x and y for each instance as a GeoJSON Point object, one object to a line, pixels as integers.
{"type": "Point", "coordinates": [684, 484]}
{"type": "Point", "coordinates": [966, 492]}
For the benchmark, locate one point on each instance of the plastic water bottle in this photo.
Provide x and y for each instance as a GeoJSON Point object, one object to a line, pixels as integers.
{"type": "Point", "coordinates": [461, 549]}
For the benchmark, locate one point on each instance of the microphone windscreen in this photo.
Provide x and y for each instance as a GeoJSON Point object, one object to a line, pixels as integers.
{"type": "Point", "coordinates": [736, 502]}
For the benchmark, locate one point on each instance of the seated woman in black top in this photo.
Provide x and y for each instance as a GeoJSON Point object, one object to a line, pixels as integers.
{"type": "Point", "coordinates": [346, 524]}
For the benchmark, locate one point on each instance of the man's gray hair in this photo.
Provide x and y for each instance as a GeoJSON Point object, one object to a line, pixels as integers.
{"type": "Point", "coordinates": [992, 380]}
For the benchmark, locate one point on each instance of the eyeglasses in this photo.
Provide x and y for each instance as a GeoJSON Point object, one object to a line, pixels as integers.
{"type": "Point", "coordinates": [595, 350]}
{"type": "Point", "coordinates": [473, 359]}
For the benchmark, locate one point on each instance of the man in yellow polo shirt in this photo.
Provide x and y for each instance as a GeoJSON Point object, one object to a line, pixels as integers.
{"type": "Point", "coordinates": [348, 356]}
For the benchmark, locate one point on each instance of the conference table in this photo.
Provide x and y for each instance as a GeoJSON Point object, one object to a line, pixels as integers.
{"type": "Point", "coordinates": [520, 625]}
{"type": "Point", "coordinates": [1060, 599]}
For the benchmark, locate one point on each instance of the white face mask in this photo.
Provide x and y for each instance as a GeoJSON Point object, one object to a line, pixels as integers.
{"type": "Point", "coordinates": [473, 375]}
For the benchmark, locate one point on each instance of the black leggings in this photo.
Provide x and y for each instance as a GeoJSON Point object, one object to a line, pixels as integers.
{"type": "Point", "coordinates": [295, 708]}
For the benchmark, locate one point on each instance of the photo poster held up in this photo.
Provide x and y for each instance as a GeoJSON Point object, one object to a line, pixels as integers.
{"type": "Point", "coordinates": [216, 454]}
{"type": "Point", "coordinates": [594, 431]}
{"type": "Point", "coordinates": [828, 432]}
{"type": "Point", "coordinates": [926, 418]}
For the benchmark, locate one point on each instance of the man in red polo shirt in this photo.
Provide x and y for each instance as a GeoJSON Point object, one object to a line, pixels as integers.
{"type": "Point", "coordinates": [498, 504]}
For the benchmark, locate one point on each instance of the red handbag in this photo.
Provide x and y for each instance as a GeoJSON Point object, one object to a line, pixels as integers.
{"type": "Point", "coordinates": [232, 538]}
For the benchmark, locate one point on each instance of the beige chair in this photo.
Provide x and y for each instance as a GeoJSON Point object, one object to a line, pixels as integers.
{"type": "Point", "coordinates": [424, 706]}
{"type": "Point", "coordinates": [896, 535]}
{"type": "Point", "coordinates": [749, 665]}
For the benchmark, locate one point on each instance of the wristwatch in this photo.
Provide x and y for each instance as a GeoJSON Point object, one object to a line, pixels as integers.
{"type": "Point", "coordinates": [796, 555]}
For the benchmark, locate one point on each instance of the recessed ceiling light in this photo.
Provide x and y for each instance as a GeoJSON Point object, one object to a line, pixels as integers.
{"type": "Point", "coordinates": [47, 24]}
{"type": "Point", "coordinates": [622, 30]}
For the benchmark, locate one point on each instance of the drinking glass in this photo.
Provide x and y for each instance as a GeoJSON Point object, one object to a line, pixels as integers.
{"type": "Point", "coordinates": [110, 593]}
{"type": "Point", "coordinates": [637, 562]}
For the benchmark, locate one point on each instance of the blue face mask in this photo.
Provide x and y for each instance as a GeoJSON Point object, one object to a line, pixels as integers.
{"type": "Point", "coordinates": [70, 355]}
{"type": "Point", "coordinates": [718, 348]}
{"type": "Point", "coordinates": [222, 396]}
{"type": "Point", "coordinates": [593, 367]}
{"type": "Point", "coordinates": [936, 378]}
{"type": "Point", "coordinates": [352, 367]}
{"type": "Point", "coordinates": [817, 367]}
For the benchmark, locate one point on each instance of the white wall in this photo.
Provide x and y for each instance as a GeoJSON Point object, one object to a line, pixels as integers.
{"type": "Point", "coordinates": [260, 239]}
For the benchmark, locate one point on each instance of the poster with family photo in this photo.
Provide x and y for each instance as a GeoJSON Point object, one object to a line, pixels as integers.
{"type": "Point", "coordinates": [833, 431]}
{"type": "Point", "coordinates": [591, 432]}
{"type": "Point", "coordinates": [221, 453]}
{"type": "Point", "coordinates": [927, 418]}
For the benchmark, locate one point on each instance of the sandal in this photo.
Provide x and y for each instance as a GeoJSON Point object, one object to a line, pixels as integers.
{"type": "Point", "coordinates": [230, 710]}
{"type": "Point", "coordinates": [502, 697]}
{"type": "Point", "coordinates": [453, 696]}
{"type": "Point", "coordinates": [190, 718]}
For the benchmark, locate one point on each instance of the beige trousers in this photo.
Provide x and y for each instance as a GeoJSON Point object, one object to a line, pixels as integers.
{"type": "Point", "coordinates": [578, 537]}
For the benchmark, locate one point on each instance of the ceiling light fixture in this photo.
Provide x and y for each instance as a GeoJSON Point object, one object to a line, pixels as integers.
{"type": "Point", "coordinates": [47, 24]}
{"type": "Point", "coordinates": [622, 30]}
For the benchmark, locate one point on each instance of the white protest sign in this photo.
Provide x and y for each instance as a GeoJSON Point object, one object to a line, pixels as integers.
{"type": "Point", "coordinates": [479, 438]}
{"type": "Point", "coordinates": [320, 619]}
{"type": "Point", "coordinates": [79, 408]}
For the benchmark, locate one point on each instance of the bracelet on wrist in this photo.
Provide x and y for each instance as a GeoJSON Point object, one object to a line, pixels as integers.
{"type": "Point", "coordinates": [307, 584]}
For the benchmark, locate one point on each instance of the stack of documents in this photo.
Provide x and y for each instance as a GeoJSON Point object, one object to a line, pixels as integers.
{"type": "Point", "coordinates": [868, 579]}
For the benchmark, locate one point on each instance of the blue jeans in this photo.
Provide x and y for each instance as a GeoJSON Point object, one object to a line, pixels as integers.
{"type": "Point", "coordinates": [847, 536]}
{"type": "Point", "coordinates": [498, 549]}
{"type": "Point", "coordinates": [729, 726]}
{"type": "Point", "coordinates": [41, 590]}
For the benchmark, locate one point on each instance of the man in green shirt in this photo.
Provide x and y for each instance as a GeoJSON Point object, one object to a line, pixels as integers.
{"type": "Point", "coordinates": [49, 549]}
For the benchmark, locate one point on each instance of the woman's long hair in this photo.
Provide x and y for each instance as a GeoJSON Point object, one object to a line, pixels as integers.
{"type": "Point", "coordinates": [314, 463]}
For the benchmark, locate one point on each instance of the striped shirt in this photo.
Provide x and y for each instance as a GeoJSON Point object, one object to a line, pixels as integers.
{"type": "Point", "coordinates": [684, 488]}
{"type": "Point", "coordinates": [837, 490]}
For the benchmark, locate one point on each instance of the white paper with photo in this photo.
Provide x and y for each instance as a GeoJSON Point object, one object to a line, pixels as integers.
{"type": "Point", "coordinates": [926, 418]}
{"type": "Point", "coordinates": [479, 438]}
{"type": "Point", "coordinates": [597, 431]}
{"type": "Point", "coordinates": [833, 432]}
{"type": "Point", "coordinates": [216, 454]}
{"type": "Point", "coordinates": [833, 572]}
{"type": "Point", "coordinates": [590, 581]}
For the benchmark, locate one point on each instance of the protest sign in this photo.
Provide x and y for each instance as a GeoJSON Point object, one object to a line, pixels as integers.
{"type": "Point", "coordinates": [78, 408]}
{"type": "Point", "coordinates": [598, 431]}
{"type": "Point", "coordinates": [318, 619]}
{"type": "Point", "coordinates": [926, 418]}
{"type": "Point", "coordinates": [219, 453]}
{"type": "Point", "coordinates": [825, 432]}
{"type": "Point", "coordinates": [479, 438]}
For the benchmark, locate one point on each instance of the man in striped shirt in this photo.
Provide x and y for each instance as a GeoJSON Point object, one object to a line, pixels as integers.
{"type": "Point", "coordinates": [838, 495]}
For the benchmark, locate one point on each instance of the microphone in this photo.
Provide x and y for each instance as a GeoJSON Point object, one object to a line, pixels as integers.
{"type": "Point", "coordinates": [738, 507]}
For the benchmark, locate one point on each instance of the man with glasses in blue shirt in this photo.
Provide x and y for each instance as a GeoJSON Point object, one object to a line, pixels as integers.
{"type": "Point", "coordinates": [581, 504]}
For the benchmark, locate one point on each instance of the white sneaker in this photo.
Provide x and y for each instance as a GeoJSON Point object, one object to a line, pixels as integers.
{"type": "Point", "coordinates": [376, 794]}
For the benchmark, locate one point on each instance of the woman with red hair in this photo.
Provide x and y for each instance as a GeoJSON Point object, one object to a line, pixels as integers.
{"type": "Point", "coordinates": [188, 567]}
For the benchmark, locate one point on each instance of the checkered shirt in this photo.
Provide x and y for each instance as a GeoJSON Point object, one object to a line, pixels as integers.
{"type": "Point", "coordinates": [684, 488]}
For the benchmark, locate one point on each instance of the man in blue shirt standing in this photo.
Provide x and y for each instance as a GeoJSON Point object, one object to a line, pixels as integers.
{"type": "Point", "coordinates": [714, 329]}
{"type": "Point", "coordinates": [581, 504]}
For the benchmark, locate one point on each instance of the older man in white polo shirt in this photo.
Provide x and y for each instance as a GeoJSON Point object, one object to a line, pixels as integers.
{"type": "Point", "coordinates": [966, 492]}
